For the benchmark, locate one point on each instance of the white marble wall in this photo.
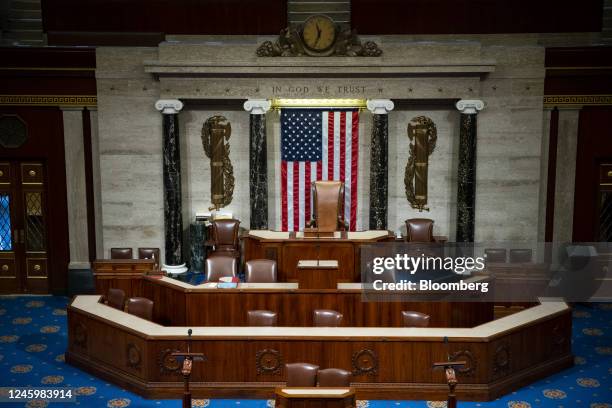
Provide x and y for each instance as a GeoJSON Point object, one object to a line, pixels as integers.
{"type": "Point", "coordinates": [565, 175]}
{"type": "Point", "coordinates": [75, 186]}
{"type": "Point", "coordinates": [130, 150]}
{"type": "Point", "coordinates": [509, 143]}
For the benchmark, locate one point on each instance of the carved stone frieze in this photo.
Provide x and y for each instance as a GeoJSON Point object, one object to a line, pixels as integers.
{"type": "Point", "coordinates": [291, 44]}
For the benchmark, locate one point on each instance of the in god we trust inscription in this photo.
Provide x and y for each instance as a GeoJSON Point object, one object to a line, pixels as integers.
{"type": "Point", "coordinates": [332, 90]}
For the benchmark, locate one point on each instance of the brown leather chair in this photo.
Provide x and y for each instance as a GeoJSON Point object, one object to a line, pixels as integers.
{"type": "Point", "coordinates": [326, 318]}
{"type": "Point", "coordinates": [121, 253]}
{"type": "Point", "coordinates": [220, 267]}
{"type": "Point", "coordinates": [415, 319]}
{"type": "Point", "coordinates": [261, 318]}
{"type": "Point", "coordinates": [149, 253]}
{"type": "Point", "coordinates": [116, 298]}
{"type": "Point", "coordinates": [334, 377]}
{"type": "Point", "coordinates": [419, 230]}
{"type": "Point", "coordinates": [225, 238]}
{"type": "Point", "coordinates": [328, 206]}
{"type": "Point", "coordinates": [301, 374]}
{"type": "Point", "coordinates": [520, 255]}
{"type": "Point", "coordinates": [495, 255]}
{"type": "Point", "coordinates": [141, 307]}
{"type": "Point", "coordinates": [261, 271]}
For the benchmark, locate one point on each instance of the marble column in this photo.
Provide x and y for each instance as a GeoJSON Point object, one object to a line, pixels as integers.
{"type": "Point", "coordinates": [258, 163]}
{"type": "Point", "coordinates": [173, 212]}
{"type": "Point", "coordinates": [76, 187]}
{"type": "Point", "coordinates": [466, 172]}
{"type": "Point", "coordinates": [379, 158]}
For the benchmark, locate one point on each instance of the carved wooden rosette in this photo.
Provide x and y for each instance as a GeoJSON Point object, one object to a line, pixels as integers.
{"type": "Point", "coordinates": [471, 363]}
{"type": "Point", "coordinates": [215, 141]}
{"type": "Point", "coordinates": [168, 364]}
{"type": "Point", "coordinates": [80, 335]}
{"type": "Point", "coordinates": [365, 361]}
{"type": "Point", "coordinates": [133, 356]}
{"type": "Point", "coordinates": [268, 361]}
{"type": "Point", "coordinates": [501, 359]}
{"type": "Point", "coordinates": [291, 44]}
{"type": "Point", "coordinates": [423, 135]}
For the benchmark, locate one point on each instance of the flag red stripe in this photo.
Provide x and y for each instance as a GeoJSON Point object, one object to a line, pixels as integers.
{"type": "Point", "coordinates": [330, 146]}
{"type": "Point", "coordinates": [296, 195]}
{"type": "Point", "coordinates": [307, 184]}
{"type": "Point", "coordinates": [354, 163]}
{"type": "Point", "coordinates": [343, 145]}
{"type": "Point", "coordinates": [284, 223]}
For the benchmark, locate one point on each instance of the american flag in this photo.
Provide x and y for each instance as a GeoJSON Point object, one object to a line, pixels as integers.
{"type": "Point", "coordinates": [317, 144]}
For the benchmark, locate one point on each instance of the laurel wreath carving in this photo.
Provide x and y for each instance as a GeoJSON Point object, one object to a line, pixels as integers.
{"type": "Point", "coordinates": [268, 361]}
{"type": "Point", "coordinates": [470, 359]}
{"type": "Point", "coordinates": [220, 122]}
{"type": "Point", "coordinates": [409, 173]}
{"type": "Point", "coordinates": [365, 361]}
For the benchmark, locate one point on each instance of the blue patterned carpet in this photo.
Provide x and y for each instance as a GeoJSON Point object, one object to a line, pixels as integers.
{"type": "Point", "coordinates": [33, 341]}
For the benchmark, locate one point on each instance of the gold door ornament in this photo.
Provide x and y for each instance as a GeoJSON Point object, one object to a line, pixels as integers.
{"type": "Point", "coordinates": [215, 140]}
{"type": "Point", "coordinates": [423, 135]}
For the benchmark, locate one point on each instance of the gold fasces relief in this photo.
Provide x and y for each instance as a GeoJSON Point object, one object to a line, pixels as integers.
{"type": "Point", "coordinates": [215, 140]}
{"type": "Point", "coordinates": [423, 135]}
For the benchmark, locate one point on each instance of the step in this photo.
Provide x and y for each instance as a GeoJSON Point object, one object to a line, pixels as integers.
{"type": "Point", "coordinates": [26, 35]}
{"type": "Point", "coordinates": [25, 5]}
{"type": "Point", "coordinates": [19, 13]}
{"type": "Point", "coordinates": [25, 24]}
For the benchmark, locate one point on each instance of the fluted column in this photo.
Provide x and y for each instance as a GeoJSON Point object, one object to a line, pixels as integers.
{"type": "Point", "coordinates": [173, 218]}
{"type": "Point", "coordinates": [466, 173]}
{"type": "Point", "coordinates": [379, 157]}
{"type": "Point", "coordinates": [258, 162]}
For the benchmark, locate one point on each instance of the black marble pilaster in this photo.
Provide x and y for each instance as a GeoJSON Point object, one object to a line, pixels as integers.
{"type": "Point", "coordinates": [466, 178]}
{"type": "Point", "coordinates": [258, 172]}
{"type": "Point", "coordinates": [173, 218]}
{"type": "Point", "coordinates": [197, 238]}
{"type": "Point", "coordinates": [379, 172]}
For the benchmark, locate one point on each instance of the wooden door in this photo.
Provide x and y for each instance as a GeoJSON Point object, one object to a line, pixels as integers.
{"type": "Point", "coordinates": [23, 227]}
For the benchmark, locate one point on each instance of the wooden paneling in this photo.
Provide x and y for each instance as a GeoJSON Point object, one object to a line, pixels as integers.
{"type": "Point", "coordinates": [594, 147]}
{"type": "Point", "coordinates": [383, 368]}
{"type": "Point", "coordinates": [177, 306]}
{"type": "Point", "coordinates": [46, 144]}
{"type": "Point", "coordinates": [474, 16]}
{"type": "Point", "coordinates": [288, 252]}
{"type": "Point", "coordinates": [231, 17]}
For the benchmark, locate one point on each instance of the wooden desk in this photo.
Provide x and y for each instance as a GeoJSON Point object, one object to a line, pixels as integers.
{"type": "Point", "coordinates": [385, 362]}
{"type": "Point", "coordinates": [317, 274]}
{"type": "Point", "coordinates": [314, 397]}
{"type": "Point", "coordinates": [287, 248]}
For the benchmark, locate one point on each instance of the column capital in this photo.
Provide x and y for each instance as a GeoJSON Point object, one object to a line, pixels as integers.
{"type": "Point", "coordinates": [380, 106]}
{"type": "Point", "coordinates": [169, 106]}
{"type": "Point", "coordinates": [257, 106]}
{"type": "Point", "coordinates": [469, 106]}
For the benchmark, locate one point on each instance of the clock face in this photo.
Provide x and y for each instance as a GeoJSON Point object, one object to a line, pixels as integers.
{"type": "Point", "coordinates": [319, 33]}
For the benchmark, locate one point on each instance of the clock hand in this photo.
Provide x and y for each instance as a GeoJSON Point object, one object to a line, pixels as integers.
{"type": "Point", "coordinates": [318, 33]}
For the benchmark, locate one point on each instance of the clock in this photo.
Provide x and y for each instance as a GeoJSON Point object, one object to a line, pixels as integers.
{"type": "Point", "coordinates": [318, 33]}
